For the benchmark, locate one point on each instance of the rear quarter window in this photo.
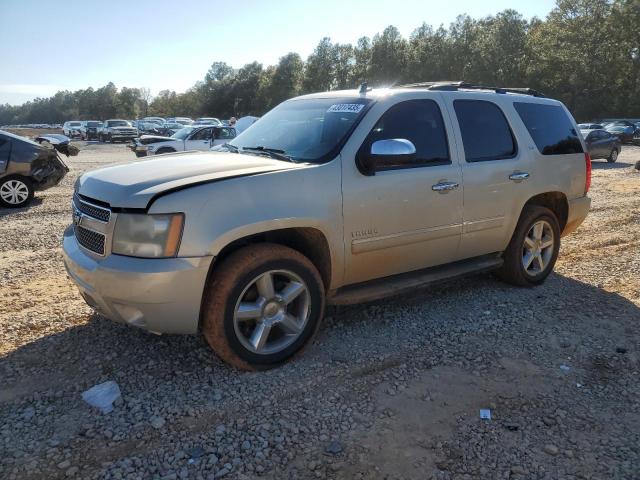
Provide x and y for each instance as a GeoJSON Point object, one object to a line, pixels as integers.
{"type": "Point", "coordinates": [550, 127]}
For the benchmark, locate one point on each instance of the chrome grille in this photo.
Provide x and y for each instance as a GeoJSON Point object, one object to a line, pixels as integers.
{"type": "Point", "coordinates": [99, 213]}
{"type": "Point", "coordinates": [90, 240]}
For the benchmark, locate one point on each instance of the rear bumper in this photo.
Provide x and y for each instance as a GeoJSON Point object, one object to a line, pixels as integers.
{"type": "Point", "coordinates": [578, 211]}
{"type": "Point", "coordinates": [159, 295]}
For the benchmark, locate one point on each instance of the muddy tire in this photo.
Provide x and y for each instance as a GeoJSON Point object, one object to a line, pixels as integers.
{"type": "Point", "coordinates": [533, 249]}
{"type": "Point", "coordinates": [15, 192]}
{"type": "Point", "coordinates": [262, 305]}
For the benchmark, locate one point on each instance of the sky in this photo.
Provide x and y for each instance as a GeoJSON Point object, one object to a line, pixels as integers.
{"type": "Point", "coordinates": [171, 45]}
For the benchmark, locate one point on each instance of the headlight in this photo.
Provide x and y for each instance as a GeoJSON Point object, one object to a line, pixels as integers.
{"type": "Point", "coordinates": [149, 236]}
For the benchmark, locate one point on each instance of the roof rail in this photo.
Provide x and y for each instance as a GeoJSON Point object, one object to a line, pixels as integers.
{"type": "Point", "coordinates": [462, 85]}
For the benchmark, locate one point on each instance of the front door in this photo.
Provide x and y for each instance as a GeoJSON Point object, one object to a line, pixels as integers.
{"type": "Point", "coordinates": [406, 216]}
{"type": "Point", "coordinates": [199, 140]}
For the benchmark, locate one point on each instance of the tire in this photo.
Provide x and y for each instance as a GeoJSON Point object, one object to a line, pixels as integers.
{"type": "Point", "coordinates": [236, 339]}
{"type": "Point", "coordinates": [15, 192]}
{"type": "Point", "coordinates": [109, 139]}
{"type": "Point", "coordinates": [518, 253]}
{"type": "Point", "coordinates": [165, 150]}
{"type": "Point", "coordinates": [613, 156]}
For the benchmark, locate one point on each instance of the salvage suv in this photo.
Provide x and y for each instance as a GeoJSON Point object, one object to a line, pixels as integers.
{"type": "Point", "coordinates": [338, 197]}
{"type": "Point", "coordinates": [115, 129]}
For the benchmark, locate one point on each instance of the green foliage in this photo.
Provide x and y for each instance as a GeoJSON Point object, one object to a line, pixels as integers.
{"type": "Point", "coordinates": [585, 53]}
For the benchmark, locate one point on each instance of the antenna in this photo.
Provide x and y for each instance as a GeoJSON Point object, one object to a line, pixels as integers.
{"type": "Point", "coordinates": [363, 88]}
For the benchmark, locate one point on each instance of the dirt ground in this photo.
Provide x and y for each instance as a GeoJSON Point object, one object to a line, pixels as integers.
{"type": "Point", "coordinates": [388, 390]}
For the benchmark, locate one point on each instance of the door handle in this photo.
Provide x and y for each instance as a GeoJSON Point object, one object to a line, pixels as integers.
{"type": "Point", "coordinates": [518, 176]}
{"type": "Point", "coordinates": [444, 187]}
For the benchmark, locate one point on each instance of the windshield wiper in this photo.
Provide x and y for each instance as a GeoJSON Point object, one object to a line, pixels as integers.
{"type": "Point", "coordinates": [272, 152]}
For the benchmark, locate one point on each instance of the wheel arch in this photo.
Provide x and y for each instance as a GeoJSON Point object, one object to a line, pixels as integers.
{"type": "Point", "coordinates": [555, 201]}
{"type": "Point", "coordinates": [309, 241]}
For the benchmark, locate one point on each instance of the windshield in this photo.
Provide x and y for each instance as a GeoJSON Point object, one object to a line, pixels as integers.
{"type": "Point", "coordinates": [307, 130]}
{"type": "Point", "coordinates": [118, 123]}
{"type": "Point", "coordinates": [184, 122]}
{"type": "Point", "coordinates": [75, 124]}
{"type": "Point", "coordinates": [93, 124]}
{"type": "Point", "coordinates": [183, 133]}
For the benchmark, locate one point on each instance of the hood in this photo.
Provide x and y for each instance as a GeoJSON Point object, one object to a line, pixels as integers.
{"type": "Point", "coordinates": [147, 139]}
{"type": "Point", "coordinates": [135, 185]}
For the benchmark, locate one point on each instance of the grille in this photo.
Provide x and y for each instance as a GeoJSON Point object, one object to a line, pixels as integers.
{"type": "Point", "coordinates": [99, 213]}
{"type": "Point", "coordinates": [90, 240]}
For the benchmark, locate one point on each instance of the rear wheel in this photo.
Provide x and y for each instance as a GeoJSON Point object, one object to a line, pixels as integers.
{"type": "Point", "coordinates": [533, 250]}
{"type": "Point", "coordinates": [613, 156]}
{"type": "Point", "coordinates": [15, 192]}
{"type": "Point", "coordinates": [263, 304]}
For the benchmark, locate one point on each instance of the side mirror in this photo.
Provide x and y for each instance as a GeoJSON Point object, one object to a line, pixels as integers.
{"type": "Point", "coordinates": [386, 153]}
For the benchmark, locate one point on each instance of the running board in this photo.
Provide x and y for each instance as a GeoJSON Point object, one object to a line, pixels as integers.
{"type": "Point", "coordinates": [405, 282]}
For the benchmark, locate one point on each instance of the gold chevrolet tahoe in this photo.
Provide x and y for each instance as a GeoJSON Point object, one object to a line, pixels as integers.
{"type": "Point", "coordinates": [336, 197]}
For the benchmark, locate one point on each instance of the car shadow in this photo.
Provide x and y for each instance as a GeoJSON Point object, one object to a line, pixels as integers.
{"type": "Point", "coordinates": [64, 364]}
{"type": "Point", "coordinates": [604, 165]}
{"type": "Point", "coordinates": [8, 211]}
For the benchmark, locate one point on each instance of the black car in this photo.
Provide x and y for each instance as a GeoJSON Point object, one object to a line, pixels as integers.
{"type": "Point", "coordinates": [90, 130]}
{"type": "Point", "coordinates": [26, 166]}
{"type": "Point", "coordinates": [602, 144]}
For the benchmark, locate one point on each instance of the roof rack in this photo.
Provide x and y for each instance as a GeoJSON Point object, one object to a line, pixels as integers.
{"type": "Point", "coordinates": [462, 85]}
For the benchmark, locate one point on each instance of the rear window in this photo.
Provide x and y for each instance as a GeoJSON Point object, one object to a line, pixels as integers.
{"type": "Point", "coordinates": [550, 127]}
{"type": "Point", "coordinates": [486, 135]}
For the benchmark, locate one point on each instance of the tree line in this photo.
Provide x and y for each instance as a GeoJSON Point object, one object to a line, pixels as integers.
{"type": "Point", "coordinates": [585, 53]}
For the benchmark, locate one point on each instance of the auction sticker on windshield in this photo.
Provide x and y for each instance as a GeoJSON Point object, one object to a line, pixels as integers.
{"type": "Point", "coordinates": [346, 107]}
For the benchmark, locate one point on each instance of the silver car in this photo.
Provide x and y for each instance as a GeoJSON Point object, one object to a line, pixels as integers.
{"type": "Point", "coordinates": [337, 197]}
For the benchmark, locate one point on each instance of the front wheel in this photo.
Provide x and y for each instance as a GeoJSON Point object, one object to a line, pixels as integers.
{"type": "Point", "coordinates": [613, 156]}
{"type": "Point", "coordinates": [15, 192]}
{"type": "Point", "coordinates": [263, 304]}
{"type": "Point", "coordinates": [533, 250]}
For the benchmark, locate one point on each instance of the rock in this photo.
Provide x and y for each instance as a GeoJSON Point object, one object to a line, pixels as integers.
{"type": "Point", "coordinates": [157, 422]}
{"type": "Point", "coordinates": [551, 449]}
{"type": "Point", "coordinates": [334, 447]}
{"type": "Point", "coordinates": [196, 452]}
{"type": "Point", "coordinates": [64, 464]}
{"type": "Point", "coordinates": [518, 470]}
{"type": "Point", "coordinates": [246, 445]}
{"type": "Point", "coordinates": [28, 413]}
{"type": "Point", "coordinates": [72, 471]}
{"type": "Point", "coordinates": [222, 472]}
{"type": "Point", "coordinates": [548, 421]}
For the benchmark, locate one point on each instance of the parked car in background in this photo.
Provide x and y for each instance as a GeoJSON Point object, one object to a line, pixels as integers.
{"type": "Point", "coordinates": [207, 121]}
{"type": "Point", "coordinates": [89, 129]}
{"type": "Point", "coordinates": [149, 128]}
{"type": "Point", "coordinates": [159, 120]}
{"type": "Point", "coordinates": [169, 128]}
{"type": "Point", "coordinates": [181, 120]}
{"type": "Point", "coordinates": [72, 128]}
{"type": "Point", "coordinates": [602, 144]}
{"type": "Point", "coordinates": [26, 167]}
{"type": "Point", "coordinates": [187, 138]}
{"type": "Point", "coordinates": [623, 129]}
{"type": "Point", "coordinates": [338, 197]}
{"type": "Point", "coordinates": [117, 129]}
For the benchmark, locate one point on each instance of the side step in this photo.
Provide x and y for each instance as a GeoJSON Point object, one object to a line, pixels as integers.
{"type": "Point", "coordinates": [405, 282]}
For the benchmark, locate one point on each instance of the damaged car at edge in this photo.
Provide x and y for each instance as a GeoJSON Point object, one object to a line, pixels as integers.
{"type": "Point", "coordinates": [27, 167]}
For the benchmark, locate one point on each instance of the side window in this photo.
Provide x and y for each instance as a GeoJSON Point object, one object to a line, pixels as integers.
{"type": "Point", "coordinates": [420, 122]}
{"type": "Point", "coordinates": [486, 134]}
{"type": "Point", "coordinates": [204, 134]}
{"type": "Point", "coordinates": [225, 133]}
{"type": "Point", "coordinates": [5, 151]}
{"type": "Point", "coordinates": [550, 127]}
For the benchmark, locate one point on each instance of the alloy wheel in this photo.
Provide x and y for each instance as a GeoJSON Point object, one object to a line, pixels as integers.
{"type": "Point", "coordinates": [537, 250]}
{"type": "Point", "coordinates": [272, 312]}
{"type": "Point", "coordinates": [14, 192]}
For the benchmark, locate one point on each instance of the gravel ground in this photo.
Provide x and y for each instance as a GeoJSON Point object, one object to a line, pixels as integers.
{"type": "Point", "coordinates": [388, 390]}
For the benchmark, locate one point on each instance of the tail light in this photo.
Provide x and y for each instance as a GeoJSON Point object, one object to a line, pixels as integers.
{"type": "Point", "coordinates": [587, 181]}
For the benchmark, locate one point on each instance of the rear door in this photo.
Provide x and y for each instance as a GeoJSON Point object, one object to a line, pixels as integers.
{"type": "Point", "coordinates": [223, 135]}
{"type": "Point", "coordinates": [495, 171]}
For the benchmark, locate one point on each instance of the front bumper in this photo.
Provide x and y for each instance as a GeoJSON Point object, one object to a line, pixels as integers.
{"type": "Point", "coordinates": [578, 211]}
{"type": "Point", "coordinates": [160, 295]}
